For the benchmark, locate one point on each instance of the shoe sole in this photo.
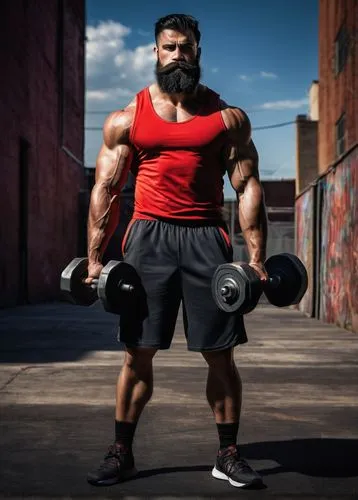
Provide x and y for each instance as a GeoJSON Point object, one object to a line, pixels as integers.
{"type": "Point", "coordinates": [220, 475]}
{"type": "Point", "coordinates": [108, 482]}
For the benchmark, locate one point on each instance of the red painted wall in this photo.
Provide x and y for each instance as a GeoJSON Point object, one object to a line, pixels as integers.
{"type": "Point", "coordinates": [337, 93]}
{"type": "Point", "coordinates": [42, 111]}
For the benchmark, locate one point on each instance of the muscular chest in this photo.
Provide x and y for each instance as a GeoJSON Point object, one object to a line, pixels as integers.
{"type": "Point", "coordinates": [176, 114]}
{"type": "Point", "coordinates": [160, 125]}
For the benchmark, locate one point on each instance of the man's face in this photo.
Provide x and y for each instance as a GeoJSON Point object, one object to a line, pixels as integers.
{"type": "Point", "coordinates": [178, 69]}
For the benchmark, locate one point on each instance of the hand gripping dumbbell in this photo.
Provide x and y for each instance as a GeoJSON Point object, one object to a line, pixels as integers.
{"type": "Point", "coordinates": [236, 286]}
{"type": "Point", "coordinates": [115, 287]}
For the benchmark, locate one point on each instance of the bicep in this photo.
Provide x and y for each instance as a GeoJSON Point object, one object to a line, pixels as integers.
{"type": "Point", "coordinates": [114, 158]}
{"type": "Point", "coordinates": [242, 165]}
{"type": "Point", "coordinates": [113, 165]}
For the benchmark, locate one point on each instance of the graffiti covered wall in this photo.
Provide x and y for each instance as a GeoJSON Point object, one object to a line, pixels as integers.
{"type": "Point", "coordinates": [305, 244]}
{"type": "Point", "coordinates": [339, 245]}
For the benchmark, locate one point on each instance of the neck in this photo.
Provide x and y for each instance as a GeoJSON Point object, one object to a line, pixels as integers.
{"type": "Point", "coordinates": [180, 98]}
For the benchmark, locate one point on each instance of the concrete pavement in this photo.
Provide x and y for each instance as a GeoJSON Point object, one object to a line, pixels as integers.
{"type": "Point", "coordinates": [59, 365]}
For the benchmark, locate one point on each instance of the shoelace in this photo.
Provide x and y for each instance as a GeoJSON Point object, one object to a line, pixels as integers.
{"type": "Point", "coordinates": [111, 459]}
{"type": "Point", "coordinates": [234, 463]}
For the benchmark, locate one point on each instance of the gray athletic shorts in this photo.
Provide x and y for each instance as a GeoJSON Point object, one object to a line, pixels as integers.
{"type": "Point", "coordinates": [175, 264]}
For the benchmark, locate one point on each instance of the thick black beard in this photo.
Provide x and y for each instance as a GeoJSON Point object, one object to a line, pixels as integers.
{"type": "Point", "coordinates": [178, 77]}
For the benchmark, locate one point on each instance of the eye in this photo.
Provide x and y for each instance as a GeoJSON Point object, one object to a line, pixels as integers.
{"type": "Point", "coordinates": [186, 47]}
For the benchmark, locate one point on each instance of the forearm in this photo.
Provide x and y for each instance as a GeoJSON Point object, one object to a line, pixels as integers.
{"type": "Point", "coordinates": [253, 220]}
{"type": "Point", "coordinates": [103, 219]}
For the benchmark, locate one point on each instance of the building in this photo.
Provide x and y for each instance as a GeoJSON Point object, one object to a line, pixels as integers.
{"type": "Point", "coordinates": [280, 206]}
{"type": "Point", "coordinates": [326, 206]}
{"type": "Point", "coordinates": [306, 142]}
{"type": "Point", "coordinates": [41, 144]}
{"type": "Point", "coordinates": [338, 74]}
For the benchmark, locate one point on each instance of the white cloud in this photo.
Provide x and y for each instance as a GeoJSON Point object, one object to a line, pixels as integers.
{"type": "Point", "coordinates": [143, 33]}
{"type": "Point", "coordinates": [262, 74]}
{"type": "Point", "coordinates": [107, 94]}
{"type": "Point", "coordinates": [265, 74]}
{"type": "Point", "coordinates": [102, 43]}
{"type": "Point", "coordinates": [97, 95]}
{"type": "Point", "coordinates": [286, 104]}
{"type": "Point", "coordinates": [114, 72]}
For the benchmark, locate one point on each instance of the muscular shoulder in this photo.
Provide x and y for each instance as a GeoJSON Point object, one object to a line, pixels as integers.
{"type": "Point", "coordinates": [116, 129]}
{"type": "Point", "coordinates": [237, 123]}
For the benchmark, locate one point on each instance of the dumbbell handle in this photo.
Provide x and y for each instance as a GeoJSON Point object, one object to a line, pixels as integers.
{"type": "Point", "coordinates": [274, 281]}
{"type": "Point", "coordinates": [229, 290]}
{"type": "Point", "coordinates": [124, 287]}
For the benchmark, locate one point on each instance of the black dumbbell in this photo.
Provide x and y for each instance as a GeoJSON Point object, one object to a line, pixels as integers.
{"type": "Point", "coordinates": [236, 286]}
{"type": "Point", "coordinates": [115, 286]}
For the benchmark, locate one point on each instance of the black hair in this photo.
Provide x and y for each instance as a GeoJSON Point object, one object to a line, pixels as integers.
{"type": "Point", "coordinates": [178, 22]}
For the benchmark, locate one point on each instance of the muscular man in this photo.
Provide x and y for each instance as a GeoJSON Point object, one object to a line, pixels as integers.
{"type": "Point", "coordinates": [184, 139]}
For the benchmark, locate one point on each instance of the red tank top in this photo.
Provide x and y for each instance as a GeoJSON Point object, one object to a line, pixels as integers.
{"type": "Point", "coordinates": [179, 171]}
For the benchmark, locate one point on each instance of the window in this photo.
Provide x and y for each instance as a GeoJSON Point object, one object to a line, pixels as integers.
{"type": "Point", "coordinates": [340, 132]}
{"type": "Point", "coordinates": [341, 49]}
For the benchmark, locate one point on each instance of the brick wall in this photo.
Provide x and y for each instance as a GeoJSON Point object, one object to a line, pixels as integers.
{"type": "Point", "coordinates": [306, 152]}
{"type": "Point", "coordinates": [41, 167]}
{"type": "Point", "coordinates": [338, 92]}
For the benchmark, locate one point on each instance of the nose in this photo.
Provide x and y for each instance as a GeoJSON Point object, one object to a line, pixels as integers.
{"type": "Point", "coordinates": [178, 54]}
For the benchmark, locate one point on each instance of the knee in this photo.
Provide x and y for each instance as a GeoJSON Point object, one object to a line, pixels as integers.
{"type": "Point", "coordinates": [221, 363]}
{"type": "Point", "coordinates": [139, 359]}
{"type": "Point", "coordinates": [219, 358]}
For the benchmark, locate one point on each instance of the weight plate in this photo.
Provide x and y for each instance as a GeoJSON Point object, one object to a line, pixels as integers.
{"type": "Point", "coordinates": [72, 284]}
{"type": "Point", "coordinates": [293, 280]}
{"type": "Point", "coordinates": [236, 288]}
{"type": "Point", "coordinates": [254, 287]}
{"type": "Point", "coordinates": [113, 297]}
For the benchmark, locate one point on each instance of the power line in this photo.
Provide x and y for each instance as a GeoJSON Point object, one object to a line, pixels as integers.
{"type": "Point", "coordinates": [264, 127]}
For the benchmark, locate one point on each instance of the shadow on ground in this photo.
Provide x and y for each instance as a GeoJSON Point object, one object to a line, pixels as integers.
{"type": "Point", "coordinates": [320, 457]}
{"type": "Point", "coordinates": [311, 457]}
{"type": "Point", "coordinates": [58, 332]}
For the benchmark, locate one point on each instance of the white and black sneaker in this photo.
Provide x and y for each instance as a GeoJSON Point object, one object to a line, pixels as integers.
{"type": "Point", "coordinates": [234, 469]}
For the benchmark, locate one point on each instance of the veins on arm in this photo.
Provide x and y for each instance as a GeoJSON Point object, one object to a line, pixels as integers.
{"type": "Point", "coordinates": [242, 163]}
{"type": "Point", "coordinates": [112, 167]}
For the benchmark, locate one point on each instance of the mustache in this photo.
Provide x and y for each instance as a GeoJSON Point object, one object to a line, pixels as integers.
{"type": "Point", "coordinates": [169, 68]}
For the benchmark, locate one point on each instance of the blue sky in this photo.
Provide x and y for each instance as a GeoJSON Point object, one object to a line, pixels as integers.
{"type": "Point", "coordinates": [260, 55]}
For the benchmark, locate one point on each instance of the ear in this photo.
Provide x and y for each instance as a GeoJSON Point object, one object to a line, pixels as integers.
{"type": "Point", "coordinates": [199, 52]}
{"type": "Point", "coordinates": [155, 50]}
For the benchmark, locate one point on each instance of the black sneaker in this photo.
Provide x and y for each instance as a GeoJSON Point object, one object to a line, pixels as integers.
{"type": "Point", "coordinates": [118, 465]}
{"type": "Point", "coordinates": [234, 469]}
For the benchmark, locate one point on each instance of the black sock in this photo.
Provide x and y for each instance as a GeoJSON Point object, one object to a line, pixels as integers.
{"type": "Point", "coordinates": [227, 434]}
{"type": "Point", "coordinates": [125, 433]}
